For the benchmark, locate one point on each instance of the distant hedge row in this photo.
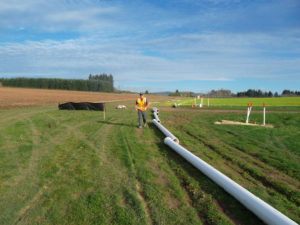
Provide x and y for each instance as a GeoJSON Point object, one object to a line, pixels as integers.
{"type": "Point", "coordinates": [62, 84]}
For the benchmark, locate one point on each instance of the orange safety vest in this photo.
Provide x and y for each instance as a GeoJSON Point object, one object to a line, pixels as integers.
{"type": "Point", "coordinates": [142, 104]}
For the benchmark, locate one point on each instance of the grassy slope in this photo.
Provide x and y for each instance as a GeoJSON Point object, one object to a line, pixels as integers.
{"type": "Point", "coordinates": [265, 161]}
{"type": "Point", "coordinates": [64, 167]}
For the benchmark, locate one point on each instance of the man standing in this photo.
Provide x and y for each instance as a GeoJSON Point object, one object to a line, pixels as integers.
{"type": "Point", "coordinates": [141, 107]}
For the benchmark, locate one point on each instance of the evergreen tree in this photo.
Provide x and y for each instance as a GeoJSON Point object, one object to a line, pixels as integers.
{"type": "Point", "coordinates": [94, 83]}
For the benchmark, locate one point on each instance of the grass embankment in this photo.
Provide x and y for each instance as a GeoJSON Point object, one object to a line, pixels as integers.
{"type": "Point", "coordinates": [71, 167]}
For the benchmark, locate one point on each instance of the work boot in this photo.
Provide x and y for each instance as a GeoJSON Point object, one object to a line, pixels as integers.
{"type": "Point", "coordinates": [140, 126]}
{"type": "Point", "coordinates": [145, 124]}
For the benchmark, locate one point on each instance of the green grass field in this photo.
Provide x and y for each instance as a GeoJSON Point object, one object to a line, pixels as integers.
{"type": "Point", "coordinates": [72, 167]}
{"type": "Point", "coordinates": [281, 103]}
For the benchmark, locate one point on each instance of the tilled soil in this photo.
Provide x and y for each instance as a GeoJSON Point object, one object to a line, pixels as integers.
{"type": "Point", "coordinates": [25, 97]}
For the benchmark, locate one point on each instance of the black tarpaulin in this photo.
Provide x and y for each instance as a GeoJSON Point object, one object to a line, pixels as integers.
{"type": "Point", "coordinates": [82, 106]}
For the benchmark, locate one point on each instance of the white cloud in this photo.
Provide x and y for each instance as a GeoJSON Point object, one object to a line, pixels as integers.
{"type": "Point", "coordinates": [55, 15]}
{"type": "Point", "coordinates": [213, 56]}
{"type": "Point", "coordinates": [144, 43]}
{"type": "Point", "coordinates": [15, 5]}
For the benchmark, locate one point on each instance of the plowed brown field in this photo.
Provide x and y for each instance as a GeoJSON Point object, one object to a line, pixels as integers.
{"type": "Point", "coordinates": [24, 97]}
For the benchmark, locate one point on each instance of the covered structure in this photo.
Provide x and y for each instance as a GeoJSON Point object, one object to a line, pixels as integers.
{"type": "Point", "coordinates": [82, 106]}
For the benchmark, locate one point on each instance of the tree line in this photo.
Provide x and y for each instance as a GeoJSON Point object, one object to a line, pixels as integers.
{"type": "Point", "coordinates": [183, 94]}
{"type": "Point", "coordinates": [223, 93]}
{"type": "Point", "coordinates": [290, 93]}
{"type": "Point", "coordinates": [98, 83]}
{"type": "Point", "coordinates": [259, 93]}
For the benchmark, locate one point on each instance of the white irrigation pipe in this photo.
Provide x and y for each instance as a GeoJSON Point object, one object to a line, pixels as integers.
{"type": "Point", "coordinates": [156, 117]}
{"type": "Point", "coordinates": [155, 113]}
{"type": "Point", "coordinates": [165, 131]}
{"type": "Point", "coordinates": [155, 110]}
{"type": "Point", "coordinates": [260, 208]}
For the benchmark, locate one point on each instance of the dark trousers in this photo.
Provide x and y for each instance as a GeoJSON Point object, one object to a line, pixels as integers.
{"type": "Point", "coordinates": [142, 114]}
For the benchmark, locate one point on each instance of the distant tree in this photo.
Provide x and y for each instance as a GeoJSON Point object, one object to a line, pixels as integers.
{"type": "Point", "coordinates": [270, 94]}
{"type": "Point", "coordinates": [250, 93]}
{"type": "Point", "coordinates": [259, 93]}
{"type": "Point", "coordinates": [221, 93]}
{"type": "Point", "coordinates": [286, 93]}
{"type": "Point", "coordinates": [176, 93]}
{"type": "Point", "coordinates": [146, 92]}
{"type": "Point", "coordinates": [104, 82]}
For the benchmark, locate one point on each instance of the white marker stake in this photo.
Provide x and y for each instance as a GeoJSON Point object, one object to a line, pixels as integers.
{"type": "Point", "coordinates": [201, 104]}
{"type": "Point", "coordinates": [247, 119]}
{"type": "Point", "coordinates": [250, 111]}
{"type": "Point", "coordinates": [264, 114]}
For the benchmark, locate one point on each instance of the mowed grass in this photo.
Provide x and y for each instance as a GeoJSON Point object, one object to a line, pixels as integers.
{"type": "Point", "coordinates": [72, 167]}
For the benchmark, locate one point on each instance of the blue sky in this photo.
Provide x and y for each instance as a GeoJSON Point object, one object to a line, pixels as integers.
{"type": "Point", "coordinates": [157, 45]}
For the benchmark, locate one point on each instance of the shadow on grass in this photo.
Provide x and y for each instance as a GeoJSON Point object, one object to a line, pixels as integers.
{"type": "Point", "coordinates": [116, 124]}
{"type": "Point", "coordinates": [230, 206]}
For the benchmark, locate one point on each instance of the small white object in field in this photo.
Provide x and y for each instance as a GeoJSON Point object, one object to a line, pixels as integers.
{"type": "Point", "coordinates": [121, 107]}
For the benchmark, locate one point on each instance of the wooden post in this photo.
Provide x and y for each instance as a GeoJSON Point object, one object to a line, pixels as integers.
{"type": "Point", "coordinates": [264, 114]}
{"type": "Point", "coordinates": [104, 109]}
